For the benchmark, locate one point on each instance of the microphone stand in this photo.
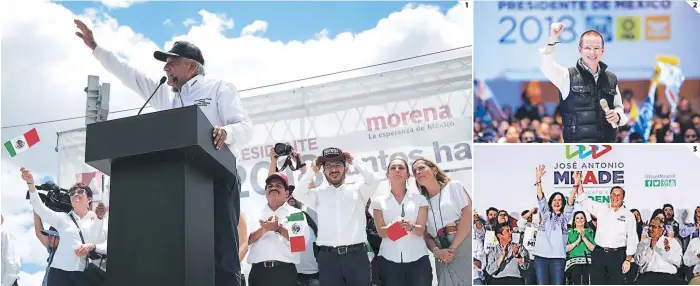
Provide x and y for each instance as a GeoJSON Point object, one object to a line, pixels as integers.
{"type": "Point", "coordinates": [162, 81]}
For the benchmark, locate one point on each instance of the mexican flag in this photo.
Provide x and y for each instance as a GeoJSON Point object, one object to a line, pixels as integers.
{"type": "Point", "coordinates": [22, 143]}
{"type": "Point", "coordinates": [296, 224]}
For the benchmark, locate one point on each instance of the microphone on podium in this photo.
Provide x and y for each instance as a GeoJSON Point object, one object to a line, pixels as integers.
{"type": "Point", "coordinates": [606, 108]}
{"type": "Point", "coordinates": [162, 81]}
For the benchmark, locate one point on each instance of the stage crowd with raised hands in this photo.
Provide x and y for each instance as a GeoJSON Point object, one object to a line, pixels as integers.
{"type": "Point", "coordinates": [581, 241]}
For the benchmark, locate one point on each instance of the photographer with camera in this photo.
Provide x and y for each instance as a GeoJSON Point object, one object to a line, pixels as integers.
{"type": "Point", "coordinates": [307, 268]}
{"type": "Point", "coordinates": [82, 233]}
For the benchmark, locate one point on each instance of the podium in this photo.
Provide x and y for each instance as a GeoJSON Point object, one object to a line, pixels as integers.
{"type": "Point", "coordinates": [162, 168]}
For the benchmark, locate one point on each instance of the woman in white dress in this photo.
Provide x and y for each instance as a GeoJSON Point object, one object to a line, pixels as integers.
{"type": "Point", "coordinates": [449, 223]}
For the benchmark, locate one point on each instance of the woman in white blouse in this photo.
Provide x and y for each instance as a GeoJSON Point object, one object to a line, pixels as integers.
{"type": "Point", "coordinates": [449, 223]}
{"type": "Point", "coordinates": [71, 258]}
{"type": "Point", "coordinates": [403, 261]}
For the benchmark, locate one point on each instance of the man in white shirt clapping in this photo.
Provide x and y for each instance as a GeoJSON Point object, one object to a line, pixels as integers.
{"type": "Point", "coordinates": [658, 257]}
{"type": "Point", "coordinates": [691, 258]}
{"type": "Point", "coordinates": [342, 223]}
{"type": "Point", "coordinates": [272, 255]}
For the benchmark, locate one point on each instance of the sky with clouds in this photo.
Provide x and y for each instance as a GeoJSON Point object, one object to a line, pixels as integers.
{"type": "Point", "coordinates": [45, 66]}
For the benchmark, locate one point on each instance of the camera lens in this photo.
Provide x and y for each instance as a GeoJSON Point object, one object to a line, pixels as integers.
{"type": "Point", "coordinates": [283, 149]}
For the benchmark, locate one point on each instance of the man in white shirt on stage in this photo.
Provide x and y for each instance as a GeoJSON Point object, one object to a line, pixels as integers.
{"type": "Point", "coordinates": [616, 237]}
{"type": "Point", "coordinates": [589, 97]}
{"type": "Point", "coordinates": [11, 262]}
{"type": "Point", "coordinates": [270, 255]}
{"type": "Point", "coordinates": [340, 206]}
{"type": "Point", "coordinates": [658, 257]}
{"type": "Point", "coordinates": [691, 258]}
{"type": "Point", "coordinates": [220, 102]}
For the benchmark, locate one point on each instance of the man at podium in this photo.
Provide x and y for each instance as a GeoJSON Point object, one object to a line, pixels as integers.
{"type": "Point", "coordinates": [219, 101]}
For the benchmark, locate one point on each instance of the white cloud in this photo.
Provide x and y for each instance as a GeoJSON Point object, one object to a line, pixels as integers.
{"type": "Point", "coordinates": [45, 68]}
{"type": "Point", "coordinates": [114, 4]}
{"type": "Point", "coordinates": [256, 26]}
{"type": "Point", "coordinates": [189, 22]}
{"type": "Point", "coordinates": [167, 22]}
{"type": "Point", "coordinates": [323, 34]}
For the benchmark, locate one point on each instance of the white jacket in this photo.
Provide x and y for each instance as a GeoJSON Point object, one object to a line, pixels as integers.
{"type": "Point", "coordinates": [219, 100]}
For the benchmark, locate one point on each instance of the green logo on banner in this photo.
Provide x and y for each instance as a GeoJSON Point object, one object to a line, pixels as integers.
{"type": "Point", "coordinates": [660, 183]}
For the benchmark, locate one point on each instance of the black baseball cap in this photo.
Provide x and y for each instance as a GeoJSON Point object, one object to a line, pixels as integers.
{"type": "Point", "coordinates": [181, 49]}
{"type": "Point", "coordinates": [331, 154]}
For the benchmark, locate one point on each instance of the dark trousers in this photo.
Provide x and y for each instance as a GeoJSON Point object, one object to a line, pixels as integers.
{"type": "Point", "coordinates": [606, 268]}
{"type": "Point", "coordinates": [580, 274]}
{"type": "Point", "coordinates": [58, 277]}
{"type": "Point", "coordinates": [507, 281]}
{"type": "Point", "coordinates": [374, 270]}
{"type": "Point", "coordinates": [227, 207]}
{"type": "Point", "coordinates": [631, 275]}
{"type": "Point", "coordinates": [347, 269]}
{"type": "Point", "coordinates": [282, 275]}
{"type": "Point", "coordinates": [655, 278]}
{"type": "Point", "coordinates": [416, 273]}
{"type": "Point", "coordinates": [309, 279]}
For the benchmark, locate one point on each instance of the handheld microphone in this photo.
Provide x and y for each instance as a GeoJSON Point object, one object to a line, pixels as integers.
{"type": "Point", "coordinates": [604, 105]}
{"type": "Point", "coordinates": [162, 81]}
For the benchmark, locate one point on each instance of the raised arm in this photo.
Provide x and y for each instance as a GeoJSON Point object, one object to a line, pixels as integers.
{"type": "Point", "coordinates": [558, 75]}
{"type": "Point", "coordinates": [128, 75]}
{"type": "Point", "coordinates": [51, 217]}
{"type": "Point", "coordinates": [477, 222]}
{"type": "Point", "coordinates": [302, 192]}
{"type": "Point", "coordinates": [594, 208]}
{"type": "Point", "coordinates": [369, 184]}
{"type": "Point", "coordinates": [238, 126]}
{"type": "Point", "coordinates": [38, 227]}
{"type": "Point", "coordinates": [539, 173]}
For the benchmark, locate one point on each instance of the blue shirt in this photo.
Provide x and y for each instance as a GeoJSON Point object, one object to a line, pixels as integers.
{"type": "Point", "coordinates": [552, 232]}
